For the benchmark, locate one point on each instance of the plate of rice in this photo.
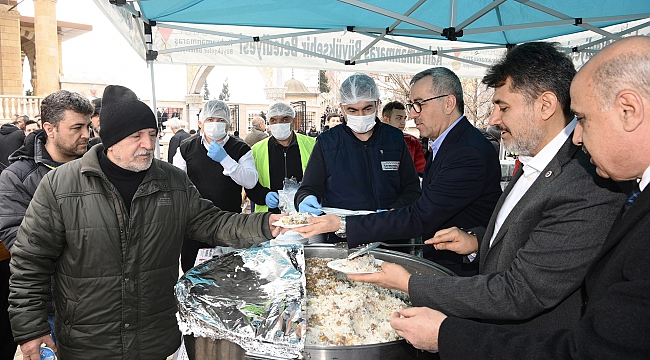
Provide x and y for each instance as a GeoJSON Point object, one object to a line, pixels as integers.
{"type": "Point", "coordinates": [365, 264]}
{"type": "Point", "coordinates": [293, 220]}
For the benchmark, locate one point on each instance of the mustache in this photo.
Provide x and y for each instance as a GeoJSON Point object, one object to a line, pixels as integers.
{"type": "Point", "coordinates": [143, 152]}
{"type": "Point", "coordinates": [501, 128]}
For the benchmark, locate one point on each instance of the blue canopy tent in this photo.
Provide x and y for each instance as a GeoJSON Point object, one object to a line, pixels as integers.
{"type": "Point", "coordinates": [372, 35]}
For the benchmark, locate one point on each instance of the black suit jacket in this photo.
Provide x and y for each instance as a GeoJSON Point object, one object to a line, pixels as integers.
{"type": "Point", "coordinates": [460, 188]}
{"type": "Point", "coordinates": [174, 143]}
{"type": "Point", "coordinates": [616, 322]}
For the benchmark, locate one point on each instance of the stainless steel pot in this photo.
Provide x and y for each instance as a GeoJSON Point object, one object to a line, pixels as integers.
{"type": "Point", "coordinates": [394, 350]}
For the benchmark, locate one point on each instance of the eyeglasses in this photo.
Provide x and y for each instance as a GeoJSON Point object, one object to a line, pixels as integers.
{"type": "Point", "coordinates": [417, 105]}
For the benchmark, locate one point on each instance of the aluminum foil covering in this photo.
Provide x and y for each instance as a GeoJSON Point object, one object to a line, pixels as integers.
{"type": "Point", "coordinates": [253, 297]}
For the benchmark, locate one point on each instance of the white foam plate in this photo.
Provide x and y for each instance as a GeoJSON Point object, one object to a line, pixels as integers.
{"type": "Point", "coordinates": [339, 265]}
{"type": "Point", "coordinates": [280, 224]}
{"type": "Point", "coordinates": [344, 212]}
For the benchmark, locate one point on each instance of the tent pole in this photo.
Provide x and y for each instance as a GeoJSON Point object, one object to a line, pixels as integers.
{"type": "Point", "coordinates": [153, 103]}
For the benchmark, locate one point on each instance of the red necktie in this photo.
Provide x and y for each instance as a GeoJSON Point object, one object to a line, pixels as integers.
{"type": "Point", "coordinates": [518, 164]}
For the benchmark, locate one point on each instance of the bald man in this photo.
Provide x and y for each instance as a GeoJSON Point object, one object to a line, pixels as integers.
{"type": "Point", "coordinates": [257, 133]}
{"type": "Point", "coordinates": [610, 96]}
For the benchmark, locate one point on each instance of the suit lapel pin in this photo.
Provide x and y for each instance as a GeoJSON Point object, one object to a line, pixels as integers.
{"type": "Point", "coordinates": [548, 174]}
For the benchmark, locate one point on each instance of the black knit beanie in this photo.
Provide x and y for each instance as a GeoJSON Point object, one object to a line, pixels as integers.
{"type": "Point", "coordinates": [122, 114]}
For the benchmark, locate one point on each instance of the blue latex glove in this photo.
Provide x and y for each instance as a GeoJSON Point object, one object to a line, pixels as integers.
{"type": "Point", "coordinates": [310, 205]}
{"type": "Point", "coordinates": [381, 210]}
{"type": "Point", "coordinates": [216, 152]}
{"type": "Point", "coordinates": [272, 200]}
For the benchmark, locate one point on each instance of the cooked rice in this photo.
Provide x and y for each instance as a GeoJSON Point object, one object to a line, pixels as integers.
{"type": "Point", "coordinates": [296, 218]}
{"type": "Point", "coordinates": [363, 263]}
{"type": "Point", "coordinates": [341, 312]}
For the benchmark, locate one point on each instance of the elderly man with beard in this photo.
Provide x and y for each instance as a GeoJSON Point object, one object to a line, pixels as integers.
{"type": "Point", "coordinates": [109, 228]}
{"type": "Point", "coordinates": [550, 223]}
{"type": "Point", "coordinates": [65, 116]}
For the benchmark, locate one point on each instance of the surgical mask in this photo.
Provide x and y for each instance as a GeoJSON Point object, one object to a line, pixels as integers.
{"type": "Point", "coordinates": [281, 131]}
{"type": "Point", "coordinates": [215, 130]}
{"type": "Point", "coordinates": [361, 124]}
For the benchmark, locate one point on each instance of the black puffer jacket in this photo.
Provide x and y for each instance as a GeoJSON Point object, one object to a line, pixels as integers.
{"type": "Point", "coordinates": [114, 271]}
{"type": "Point", "coordinates": [18, 183]}
{"type": "Point", "coordinates": [11, 138]}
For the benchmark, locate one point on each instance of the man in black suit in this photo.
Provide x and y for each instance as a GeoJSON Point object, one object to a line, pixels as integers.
{"type": "Point", "coordinates": [461, 183]}
{"type": "Point", "coordinates": [611, 99]}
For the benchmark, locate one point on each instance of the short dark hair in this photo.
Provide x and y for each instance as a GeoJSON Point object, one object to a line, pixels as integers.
{"type": "Point", "coordinates": [443, 81]}
{"type": "Point", "coordinates": [54, 106]}
{"type": "Point", "coordinates": [387, 111]}
{"type": "Point", "coordinates": [29, 122]}
{"type": "Point", "coordinates": [534, 68]}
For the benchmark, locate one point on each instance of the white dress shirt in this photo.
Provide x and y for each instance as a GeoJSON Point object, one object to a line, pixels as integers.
{"type": "Point", "coordinates": [532, 167]}
{"type": "Point", "coordinates": [645, 179]}
{"type": "Point", "coordinates": [242, 172]}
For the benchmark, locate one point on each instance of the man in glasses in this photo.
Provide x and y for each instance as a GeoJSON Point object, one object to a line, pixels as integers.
{"type": "Point", "coordinates": [461, 183]}
{"type": "Point", "coordinates": [362, 164]}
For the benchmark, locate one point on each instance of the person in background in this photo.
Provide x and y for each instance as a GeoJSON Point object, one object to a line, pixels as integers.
{"type": "Point", "coordinates": [257, 133]}
{"type": "Point", "coordinates": [282, 156]}
{"type": "Point", "coordinates": [115, 224]}
{"type": "Point", "coordinates": [218, 165]}
{"type": "Point", "coordinates": [313, 132]}
{"type": "Point", "coordinates": [95, 126]}
{"type": "Point", "coordinates": [192, 132]}
{"type": "Point", "coordinates": [610, 97]}
{"type": "Point", "coordinates": [461, 183]}
{"type": "Point", "coordinates": [176, 140]}
{"type": "Point", "coordinates": [333, 120]}
{"type": "Point", "coordinates": [66, 117]}
{"type": "Point", "coordinates": [394, 114]}
{"type": "Point", "coordinates": [11, 138]}
{"type": "Point", "coordinates": [31, 125]}
{"type": "Point", "coordinates": [363, 165]}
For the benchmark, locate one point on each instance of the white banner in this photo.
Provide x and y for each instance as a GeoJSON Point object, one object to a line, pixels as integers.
{"type": "Point", "coordinates": [314, 50]}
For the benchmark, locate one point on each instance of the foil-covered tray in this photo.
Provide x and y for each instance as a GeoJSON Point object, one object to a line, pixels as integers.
{"type": "Point", "coordinates": [253, 297]}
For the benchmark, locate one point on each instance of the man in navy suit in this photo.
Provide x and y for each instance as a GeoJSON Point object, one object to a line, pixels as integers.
{"type": "Point", "coordinates": [461, 183]}
{"type": "Point", "coordinates": [611, 99]}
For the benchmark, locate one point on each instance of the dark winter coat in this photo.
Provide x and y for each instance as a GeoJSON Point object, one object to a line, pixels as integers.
{"type": "Point", "coordinates": [114, 270]}
{"type": "Point", "coordinates": [11, 138]}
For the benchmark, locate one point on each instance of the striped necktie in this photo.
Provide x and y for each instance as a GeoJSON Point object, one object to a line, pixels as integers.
{"type": "Point", "coordinates": [635, 193]}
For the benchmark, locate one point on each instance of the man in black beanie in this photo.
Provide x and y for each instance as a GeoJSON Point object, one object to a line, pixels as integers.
{"type": "Point", "coordinates": [115, 223]}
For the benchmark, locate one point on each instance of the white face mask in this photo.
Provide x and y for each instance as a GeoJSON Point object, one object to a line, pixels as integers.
{"type": "Point", "coordinates": [361, 124]}
{"type": "Point", "coordinates": [215, 130]}
{"type": "Point", "coordinates": [281, 131]}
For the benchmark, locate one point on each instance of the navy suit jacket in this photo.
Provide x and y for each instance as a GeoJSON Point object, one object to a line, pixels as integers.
{"type": "Point", "coordinates": [461, 187]}
{"type": "Point", "coordinates": [616, 321]}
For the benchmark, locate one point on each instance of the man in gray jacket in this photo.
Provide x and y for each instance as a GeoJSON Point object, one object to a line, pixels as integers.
{"type": "Point", "coordinates": [257, 133]}
{"type": "Point", "coordinates": [66, 116]}
{"type": "Point", "coordinates": [109, 228]}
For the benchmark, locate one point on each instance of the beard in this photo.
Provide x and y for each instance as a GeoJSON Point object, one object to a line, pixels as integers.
{"type": "Point", "coordinates": [76, 149]}
{"type": "Point", "coordinates": [528, 139]}
{"type": "Point", "coordinates": [134, 164]}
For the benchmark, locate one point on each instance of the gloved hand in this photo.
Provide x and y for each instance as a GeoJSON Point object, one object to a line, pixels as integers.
{"type": "Point", "coordinates": [272, 199]}
{"type": "Point", "coordinates": [381, 210]}
{"type": "Point", "coordinates": [216, 152]}
{"type": "Point", "coordinates": [310, 204]}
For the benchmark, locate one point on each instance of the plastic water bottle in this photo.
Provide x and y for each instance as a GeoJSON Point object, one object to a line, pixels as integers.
{"type": "Point", "coordinates": [47, 353]}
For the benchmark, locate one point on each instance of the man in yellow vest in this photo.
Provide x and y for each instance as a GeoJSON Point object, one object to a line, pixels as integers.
{"type": "Point", "coordinates": [282, 156]}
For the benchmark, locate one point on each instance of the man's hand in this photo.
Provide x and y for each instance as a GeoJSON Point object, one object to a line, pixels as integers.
{"type": "Point", "coordinates": [391, 276]}
{"type": "Point", "coordinates": [454, 239]}
{"type": "Point", "coordinates": [310, 204]}
{"type": "Point", "coordinates": [31, 347]}
{"type": "Point", "coordinates": [319, 225]}
{"type": "Point", "coordinates": [419, 326]}
{"type": "Point", "coordinates": [276, 230]}
{"type": "Point", "coordinates": [216, 152]}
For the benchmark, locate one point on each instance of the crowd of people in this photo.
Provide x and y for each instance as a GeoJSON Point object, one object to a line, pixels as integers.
{"type": "Point", "coordinates": [554, 266]}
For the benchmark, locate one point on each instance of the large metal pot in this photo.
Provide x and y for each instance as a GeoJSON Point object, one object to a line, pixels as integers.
{"type": "Point", "coordinates": [394, 350]}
